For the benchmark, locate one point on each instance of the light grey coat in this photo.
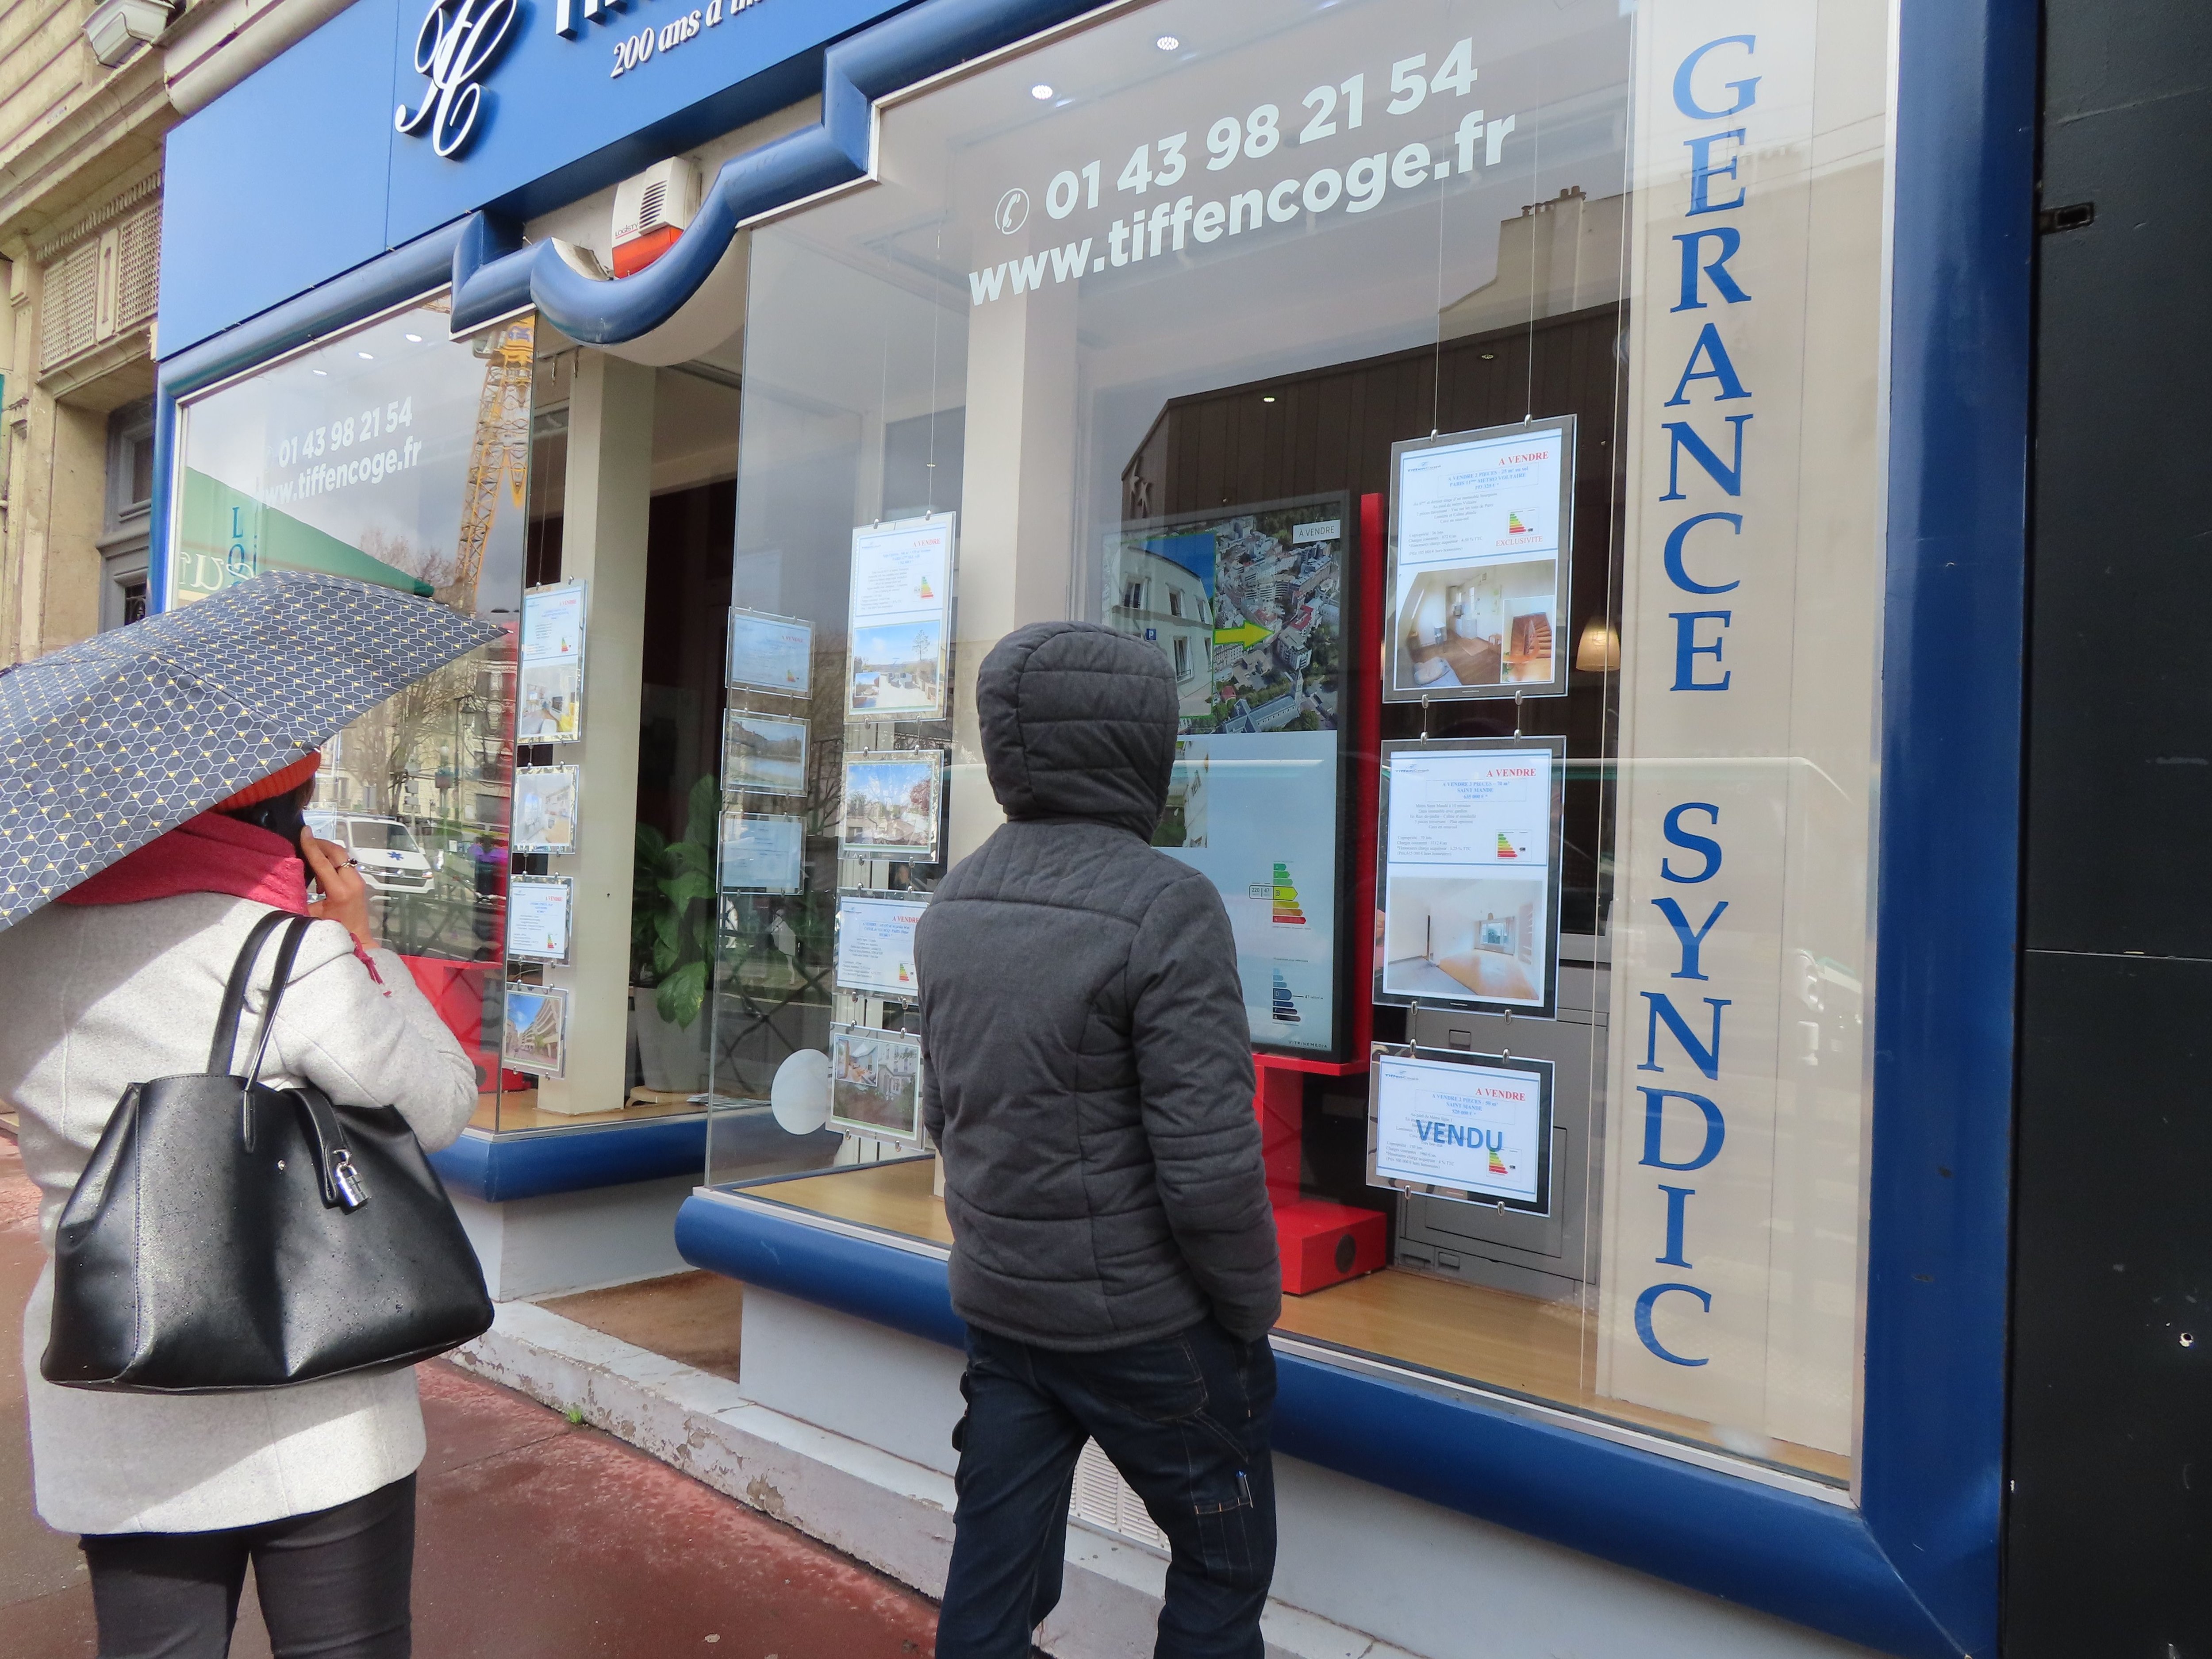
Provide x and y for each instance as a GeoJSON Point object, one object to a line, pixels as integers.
{"type": "Point", "coordinates": [97, 998]}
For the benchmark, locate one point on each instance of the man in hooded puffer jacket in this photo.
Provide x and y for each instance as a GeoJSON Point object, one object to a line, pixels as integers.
{"type": "Point", "coordinates": [1089, 1080]}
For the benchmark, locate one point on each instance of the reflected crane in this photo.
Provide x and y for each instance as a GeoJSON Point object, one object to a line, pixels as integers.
{"type": "Point", "coordinates": [500, 453]}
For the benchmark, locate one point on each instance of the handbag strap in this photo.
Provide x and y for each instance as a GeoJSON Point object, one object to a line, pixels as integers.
{"type": "Point", "coordinates": [221, 1053]}
{"type": "Point", "coordinates": [287, 954]}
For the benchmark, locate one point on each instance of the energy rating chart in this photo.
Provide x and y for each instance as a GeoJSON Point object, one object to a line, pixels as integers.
{"type": "Point", "coordinates": [1282, 894]}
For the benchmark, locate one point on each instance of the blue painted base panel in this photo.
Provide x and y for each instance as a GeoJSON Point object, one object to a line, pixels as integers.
{"type": "Point", "coordinates": [1778, 1552]}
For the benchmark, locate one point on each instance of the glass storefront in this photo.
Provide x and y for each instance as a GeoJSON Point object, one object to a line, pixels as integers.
{"type": "Point", "coordinates": [1478, 407]}
{"type": "Point", "coordinates": [394, 454]}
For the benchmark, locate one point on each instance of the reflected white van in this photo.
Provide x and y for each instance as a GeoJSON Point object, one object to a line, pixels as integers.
{"type": "Point", "coordinates": [384, 849]}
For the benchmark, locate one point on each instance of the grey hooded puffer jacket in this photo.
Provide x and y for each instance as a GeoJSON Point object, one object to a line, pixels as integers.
{"type": "Point", "coordinates": [1089, 1070]}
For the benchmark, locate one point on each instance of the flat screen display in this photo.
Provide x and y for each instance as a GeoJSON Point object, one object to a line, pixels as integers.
{"type": "Point", "coordinates": [1247, 605]}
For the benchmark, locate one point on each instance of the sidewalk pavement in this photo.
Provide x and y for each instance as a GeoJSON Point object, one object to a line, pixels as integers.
{"type": "Point", "coordinates": [538, 1539]}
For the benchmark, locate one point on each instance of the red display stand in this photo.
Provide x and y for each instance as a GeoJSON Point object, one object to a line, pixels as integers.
{"type": "Point", "coordinates": [1322, 1243]}
{"type": "Point", "coordinates": [456, 990]}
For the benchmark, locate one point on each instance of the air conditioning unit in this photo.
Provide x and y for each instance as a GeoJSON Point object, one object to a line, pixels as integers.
{"type": "Point", "coordinates": [650, 211]}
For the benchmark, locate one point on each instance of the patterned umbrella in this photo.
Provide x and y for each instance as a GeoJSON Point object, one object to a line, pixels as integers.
{"type": "Point", "coordinates": [106, 744]}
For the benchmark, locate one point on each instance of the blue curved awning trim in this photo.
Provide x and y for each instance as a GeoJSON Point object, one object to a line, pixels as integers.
{"type": "Point", "coordinates": [902, 1289]}
{"type": "Point", "coordinates": [1780, 1551]}
{"type": "Point", "coordinates": [501, 1168]}
{"type": "Point", "coordinates": [494, 274]}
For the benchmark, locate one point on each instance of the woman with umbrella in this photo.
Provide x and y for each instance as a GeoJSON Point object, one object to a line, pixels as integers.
{"type": "Point", "coordinates": [119, 980]}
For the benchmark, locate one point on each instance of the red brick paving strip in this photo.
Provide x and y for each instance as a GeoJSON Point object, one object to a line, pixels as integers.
{"type": "Point", "coordinates": [538, 1540]}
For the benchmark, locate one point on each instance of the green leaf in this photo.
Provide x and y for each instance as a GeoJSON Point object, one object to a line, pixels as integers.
{"type": "Point", "coordinates": [689, 885]}
{"type": "Point", "coordinates": [706, 807]}
{"type": "Point", "coordinates": [667, 947]}
{"type": "Point", "coordinates": [689, 855]}
{"type": "Point", "coordinates": [680, 996]}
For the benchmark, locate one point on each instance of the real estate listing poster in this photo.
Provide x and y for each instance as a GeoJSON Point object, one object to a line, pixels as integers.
{"type": "Point", "coordinates": [536, 1035]}
{"type": "Point", "coordinates": [769, 652]}
{"type": "Point", "coordinates": [762, 853]}
{"type": "Point", "coordinates": [549, 701]}
{"type": "Point", "coordinates": [537, 911]}
{"type": "Point", "coordinates": [902, 586]}
{"type": "Point", "coordinates": [1467, 867]}
{"type": "Point", "coordinates": [762, 754]}
{"type": "Point", "coordinates": [1247, 605]}
{"type": "Point", "coordinates": [1470, 1127]}
{"type": "Point", "coordinates": [891, 799]}
{"type": "Point", "coordinates": [549, 683]}
{"type": "Point", "coordinates": [875, 943]}
{"type": "Point", "coordinates": [1481, 530]}
{"type": "Point", "coordinates": [875, 1084]}
{"type": "Point", "coordinates": [545, 799]}
{"type": "Point", "coordinates": [553, 623]}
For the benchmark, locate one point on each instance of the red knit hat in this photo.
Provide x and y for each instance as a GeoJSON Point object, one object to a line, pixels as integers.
{"type": "Point", "coordinates": [277, 783]}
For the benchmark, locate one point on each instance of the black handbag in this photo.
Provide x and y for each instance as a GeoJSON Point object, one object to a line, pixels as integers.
{"type": "Point", "coordinates": [226, 1235]}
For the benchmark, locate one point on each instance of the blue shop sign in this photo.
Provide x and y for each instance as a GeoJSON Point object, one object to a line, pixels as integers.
{"type": "Point", "coordinates": [487, 104]}
{"type": "Point", "coordinates": [528, 104]}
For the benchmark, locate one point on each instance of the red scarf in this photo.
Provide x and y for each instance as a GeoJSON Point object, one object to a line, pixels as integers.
{"type": "Point", "coordinates": [210, 853]}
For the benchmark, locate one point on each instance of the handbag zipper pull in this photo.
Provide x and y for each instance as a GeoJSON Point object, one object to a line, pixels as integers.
{"type": "Point", "coordinates": [352, 1192]}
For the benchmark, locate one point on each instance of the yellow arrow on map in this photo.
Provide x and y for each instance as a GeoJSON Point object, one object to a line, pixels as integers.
{"type": "Point", "coordinates": [1248, 634]}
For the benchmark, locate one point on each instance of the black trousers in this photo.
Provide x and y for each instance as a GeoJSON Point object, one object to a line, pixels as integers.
{"type": "Point", "coordinates": [1185, 1419]}
{"type": "Point", "coordinates": [333, 1584]}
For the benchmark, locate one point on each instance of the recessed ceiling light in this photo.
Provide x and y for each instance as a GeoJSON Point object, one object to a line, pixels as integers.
{"type": "Point", "coordinates": [1167, 43]}
{"type": "Point", "coordinates": [366, 356]}
{"type": "Point", "coordinates": [1269, 399]}
{"type": "Point", "coordinates": [1040, 91]}
{"type": "Point", "coordinates": [323, 372]}
{"type": "Point", "coordinates": [415, 339]}
{"type": "Point", "coordinates": [1490, 357]}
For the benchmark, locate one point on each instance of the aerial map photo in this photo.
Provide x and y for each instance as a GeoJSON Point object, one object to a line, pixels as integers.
{"type": "Point", "coordinates": [1254, 600]}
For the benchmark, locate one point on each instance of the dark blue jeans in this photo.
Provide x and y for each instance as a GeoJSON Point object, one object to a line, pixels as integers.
{"type": "Point", "coordinates": [1184, 1418]}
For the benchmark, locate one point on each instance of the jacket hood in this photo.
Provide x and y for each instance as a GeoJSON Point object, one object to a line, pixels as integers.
{"type": "Point", "coordinates": [1078, 722]}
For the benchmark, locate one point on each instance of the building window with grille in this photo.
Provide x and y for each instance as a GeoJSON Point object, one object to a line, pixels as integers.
{"type": "Point", "coordinates": [130, 498]}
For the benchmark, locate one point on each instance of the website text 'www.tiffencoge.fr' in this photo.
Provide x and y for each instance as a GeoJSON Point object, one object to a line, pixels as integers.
{"type": "Point", "coordinates": [324, 476]}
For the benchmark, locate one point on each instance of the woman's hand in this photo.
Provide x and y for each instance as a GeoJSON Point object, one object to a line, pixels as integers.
{"type": "Point", "coordinates": [345, 895]}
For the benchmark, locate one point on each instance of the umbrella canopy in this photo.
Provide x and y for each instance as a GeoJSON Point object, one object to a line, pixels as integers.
{"type": "Point", "coordinates": [106, 744]}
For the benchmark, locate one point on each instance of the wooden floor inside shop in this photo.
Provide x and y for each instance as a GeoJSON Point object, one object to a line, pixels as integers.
{"type": "Point", "coordinates": [518, 1109]}
{"type": "Point", "coordinates": [1518, 1343]}
{"type": "Point", "coordinates": [895, 1197]}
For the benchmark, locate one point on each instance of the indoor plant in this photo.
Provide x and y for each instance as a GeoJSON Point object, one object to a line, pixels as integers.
{"type": "Point", "coordinates": [672, 939]}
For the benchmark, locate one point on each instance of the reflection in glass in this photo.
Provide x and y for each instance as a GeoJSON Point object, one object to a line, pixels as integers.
{"type": "Point", "coordinates": [396, 455]}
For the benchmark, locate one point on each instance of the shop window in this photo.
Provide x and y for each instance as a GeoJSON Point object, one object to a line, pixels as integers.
{"type": "Point", "coordinates": [1496, 387]}
{"type": "Point", "coordinates": [394, 454]}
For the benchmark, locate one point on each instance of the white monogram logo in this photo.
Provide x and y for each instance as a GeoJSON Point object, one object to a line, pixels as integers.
{"type": "Point", "coordinates": [454, 47]}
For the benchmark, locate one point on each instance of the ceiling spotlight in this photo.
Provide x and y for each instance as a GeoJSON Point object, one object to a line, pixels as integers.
{"type": "Point", "coordinates": [366, 356]}
{"type": "Point", "coordinates": [1267, 397]}
{"type": "Point", "coordinates": [414, 339]}
{"type": "Point", "coordinates": [323, 372]}
{"type": "Point", "coordinates": [1489, 356]}
{"type": "Point", "coordinates": [1167, 43]}
{"type": "Point", "coordinates": [1040, 91]}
